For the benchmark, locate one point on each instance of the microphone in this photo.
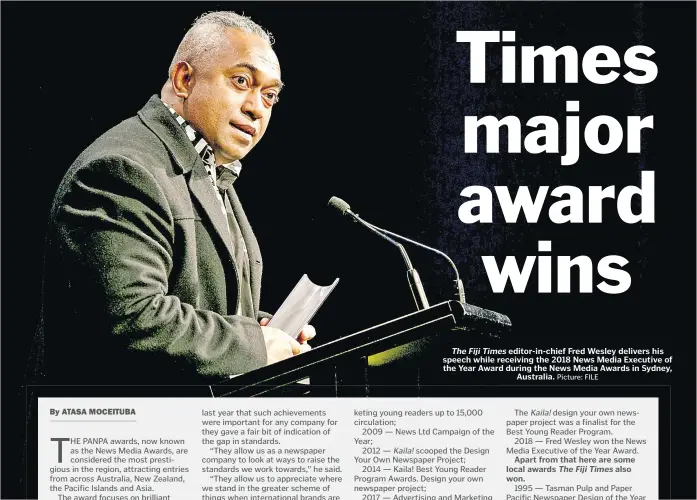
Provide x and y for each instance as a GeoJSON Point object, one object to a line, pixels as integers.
{"type": "Point", "coordinates": [417, 289]}
{"type": "Point", "coordinates": [460, 288]}
{"type": "Point", "coordinates": [344, 208]}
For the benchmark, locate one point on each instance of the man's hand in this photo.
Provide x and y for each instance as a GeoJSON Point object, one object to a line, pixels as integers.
{"type": "Point", "coordinates": [307, 333]}
{"type": "Point", "coordinates": [280, 345]}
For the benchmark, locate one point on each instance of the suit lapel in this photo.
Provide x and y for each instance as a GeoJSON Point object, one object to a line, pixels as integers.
{"type": "Point", "coordinates": [252, 245]}
{"type": "Point", "coordinates": [202, 189]}
{"type": "Point", "coordinates": [158, 119]}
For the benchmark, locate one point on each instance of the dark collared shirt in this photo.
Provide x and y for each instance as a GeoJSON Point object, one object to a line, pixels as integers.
{"type": "Point", "coordinates": [222, 177]}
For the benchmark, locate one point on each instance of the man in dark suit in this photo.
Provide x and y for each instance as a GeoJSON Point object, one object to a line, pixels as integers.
{"type": "Point", "coordinates": [152, 270]}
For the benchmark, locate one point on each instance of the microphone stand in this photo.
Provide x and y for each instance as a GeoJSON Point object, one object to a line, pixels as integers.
{"type": "Point", "coordinates": [460, 288]}
{"type": "Point", "coordinates": [417, 288]}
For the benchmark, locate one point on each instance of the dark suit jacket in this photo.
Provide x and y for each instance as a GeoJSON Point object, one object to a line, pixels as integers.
{"type": "Point", "coordinates": [140, 283]}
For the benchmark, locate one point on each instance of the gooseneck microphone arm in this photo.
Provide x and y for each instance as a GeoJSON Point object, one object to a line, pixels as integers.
{"type": "Point", "coordinates": [344, 208]}
{"type": "Point", "coordinates": [355, 217]}
{"type": "Point", "coordinates": [415, 284]}
{"type": "Point", "coordinates": [458, 282]}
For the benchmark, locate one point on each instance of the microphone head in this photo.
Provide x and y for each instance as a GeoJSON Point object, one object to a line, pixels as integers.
{"type": "Point", "coordinates": [339, 205]}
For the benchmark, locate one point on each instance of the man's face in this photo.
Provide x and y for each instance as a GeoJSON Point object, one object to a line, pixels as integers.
{"type": "Point", "coordinates": [232, 94]}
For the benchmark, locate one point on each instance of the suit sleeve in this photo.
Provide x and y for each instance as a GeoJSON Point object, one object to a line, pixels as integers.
{"type": "Point", "coordinates": [261, 315]}
{"type": "Point", "coordinates": [116, 232]}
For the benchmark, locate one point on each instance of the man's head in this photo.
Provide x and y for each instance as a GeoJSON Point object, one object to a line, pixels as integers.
{"type": "Point", "coordinates": [224, 80]}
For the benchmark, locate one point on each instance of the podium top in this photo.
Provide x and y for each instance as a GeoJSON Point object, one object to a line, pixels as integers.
{"type": "Point", "coordinates": [446, 316]}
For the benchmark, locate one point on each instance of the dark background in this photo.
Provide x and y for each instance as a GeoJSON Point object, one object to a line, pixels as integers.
{"type": "Point", "coordinates": [373, 113]}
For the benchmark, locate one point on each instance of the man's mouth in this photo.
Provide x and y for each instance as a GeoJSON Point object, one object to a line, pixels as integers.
{"type": "Point", "coordinates": [247, 129]}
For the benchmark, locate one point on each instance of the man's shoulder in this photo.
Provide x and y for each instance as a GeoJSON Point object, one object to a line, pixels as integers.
{"type": "Point", "coordinates": [130, 144]}
{"type": "Point", "coordinates": [130, 140]}
{"type": "Point", "coordinates": [129, 151]}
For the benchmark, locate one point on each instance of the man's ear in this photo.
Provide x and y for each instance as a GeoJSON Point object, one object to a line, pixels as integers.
{"type": "Point", "coordinates": [182, 76]}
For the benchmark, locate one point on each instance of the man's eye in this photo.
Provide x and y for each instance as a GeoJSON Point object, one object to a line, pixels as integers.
{"type": "Point", "coordinates": [241, 81]}
{"type": "Point", "coordinates": [272, 97]}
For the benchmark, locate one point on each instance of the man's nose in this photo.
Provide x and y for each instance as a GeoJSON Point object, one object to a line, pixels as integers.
{"type": "Point", "coordinates": [253, 105]}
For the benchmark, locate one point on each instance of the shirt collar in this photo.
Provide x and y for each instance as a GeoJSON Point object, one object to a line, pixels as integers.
{"type": "Point", "coordinates": [226, 173]}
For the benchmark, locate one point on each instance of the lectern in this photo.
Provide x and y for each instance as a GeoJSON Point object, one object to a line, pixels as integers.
{"type": "Point", "coordinates": [352, 352]}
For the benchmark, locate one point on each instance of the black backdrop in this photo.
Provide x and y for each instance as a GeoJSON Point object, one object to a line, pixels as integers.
{"type": "Point", "coordinates": [373, 113]}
